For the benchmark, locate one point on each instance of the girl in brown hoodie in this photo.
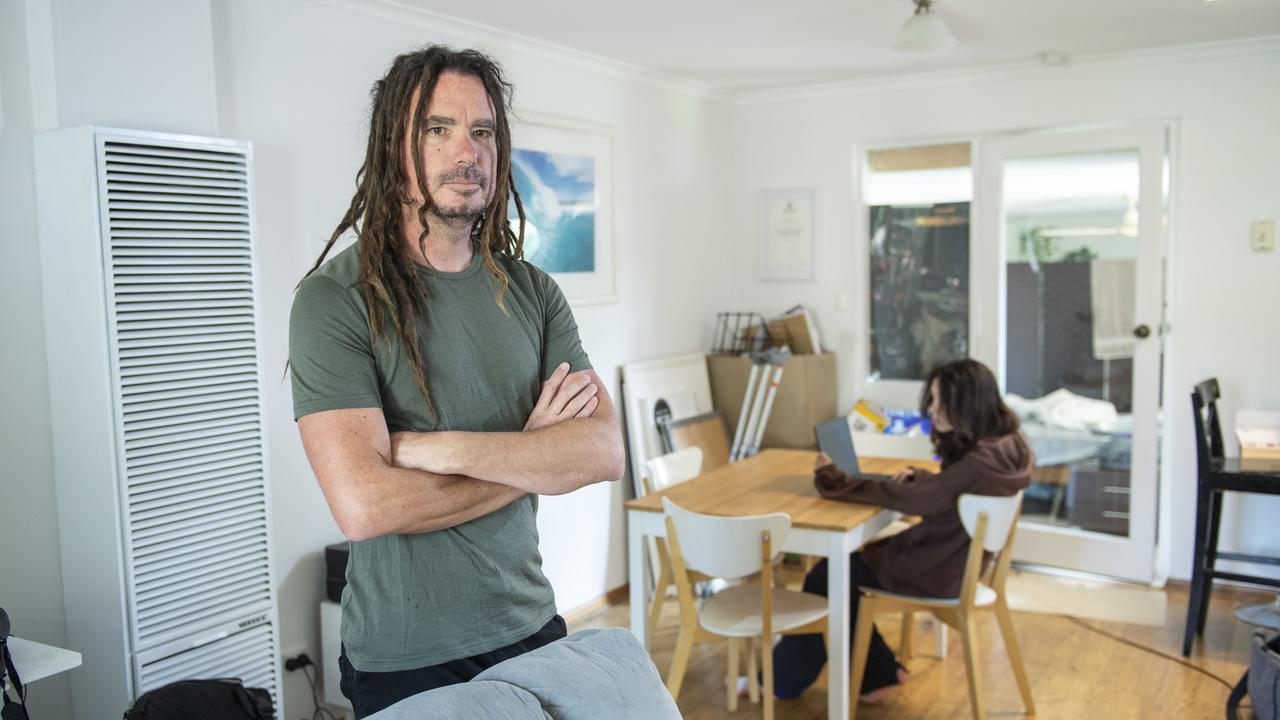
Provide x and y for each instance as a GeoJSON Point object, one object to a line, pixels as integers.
{"type": "Point", "coordinates": [976, 436]}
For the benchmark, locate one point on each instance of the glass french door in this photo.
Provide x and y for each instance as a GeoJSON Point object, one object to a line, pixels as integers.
{"type": "Point", "coordinates": [1068, 308]}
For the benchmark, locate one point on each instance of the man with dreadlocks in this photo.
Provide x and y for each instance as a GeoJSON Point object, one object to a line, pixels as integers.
{"type": "Point", "coordinates": [440, 386]}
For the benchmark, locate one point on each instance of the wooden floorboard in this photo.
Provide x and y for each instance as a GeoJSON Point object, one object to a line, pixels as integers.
{"type": "Point", "coordinates": [1075, 673]}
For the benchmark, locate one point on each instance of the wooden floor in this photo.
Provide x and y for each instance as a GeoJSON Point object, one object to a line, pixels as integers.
{"type": "Point", "coordinates": [1075, 673]}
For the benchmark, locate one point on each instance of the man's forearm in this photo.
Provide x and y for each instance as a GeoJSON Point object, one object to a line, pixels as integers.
{"type": "Point", "coordinates": [551, 461]}
{"type": "Point", "coordinates": [389, 500]}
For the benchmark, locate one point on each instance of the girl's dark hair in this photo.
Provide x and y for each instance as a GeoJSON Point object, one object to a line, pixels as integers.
{"type": "Point", "coordinates": [970, 398]}
{"type": "Point", "coordinates": [393, 290]}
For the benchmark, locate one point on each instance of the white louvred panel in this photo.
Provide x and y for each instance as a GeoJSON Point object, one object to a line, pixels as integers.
{"type": "Point", "coordinates": [185, 338]}
{"type": "Point", "coordinates": [153, 342]}
{"type": "Point", "coordinates": [247, 654]}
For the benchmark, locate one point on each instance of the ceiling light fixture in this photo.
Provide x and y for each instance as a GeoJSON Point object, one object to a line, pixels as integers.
{"type": "Point", "coordinates": [1054, 58]}
{"type": "Point", "coordinates": [924, 30]}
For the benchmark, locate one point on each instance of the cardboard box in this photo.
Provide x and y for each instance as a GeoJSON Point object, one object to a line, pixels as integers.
{"type": "Point", "coordinates": [792, 331]}
{"type": "Point", "coordinates": [1258, 432]}
{"type": "Point", "coordinates": [806, 397]}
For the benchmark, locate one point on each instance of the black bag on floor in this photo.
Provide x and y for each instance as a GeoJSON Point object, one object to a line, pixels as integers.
{"type": "Point", "coordinates": [1261, 680]}
{"type": "Point", "coordinates": [223, 699]}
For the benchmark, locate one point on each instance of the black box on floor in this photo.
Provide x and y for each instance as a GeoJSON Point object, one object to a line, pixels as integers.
{"type": "Point", "coordinates": [335, 569]}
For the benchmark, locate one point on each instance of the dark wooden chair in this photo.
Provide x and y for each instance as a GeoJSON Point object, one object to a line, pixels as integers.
{"type": "Point", "coordinates": [1217, 474]}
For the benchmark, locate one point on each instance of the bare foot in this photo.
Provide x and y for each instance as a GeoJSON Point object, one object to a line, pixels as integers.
{"type": "Point", "coordinates": [875, 696]}
{"type": "Point", "coordinates": [878, 694]}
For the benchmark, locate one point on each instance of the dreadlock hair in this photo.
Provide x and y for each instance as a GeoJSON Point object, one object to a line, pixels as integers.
{"type": "Point", "coordinates": [394, 292]}
{"type": "Point", "coordinates": [970, 398]}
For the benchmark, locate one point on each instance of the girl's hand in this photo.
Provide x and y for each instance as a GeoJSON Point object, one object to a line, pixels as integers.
{"type": "Point", "coordinates": [821, 462]}
{"type": "Point", "coordinates": [904, 475]}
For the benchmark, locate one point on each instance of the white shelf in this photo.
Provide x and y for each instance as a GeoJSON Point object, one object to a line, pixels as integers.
{"type": "Point", "coordinates": [35, 660]}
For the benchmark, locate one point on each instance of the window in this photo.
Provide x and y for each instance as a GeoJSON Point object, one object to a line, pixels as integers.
{"type": "Point", "coordinates": [918, 199]}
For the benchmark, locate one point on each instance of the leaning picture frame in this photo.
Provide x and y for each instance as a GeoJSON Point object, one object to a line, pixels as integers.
{"type": "Point", "coordinates": [563, 170]}
{"type": "Point", "coordinates": [787, 239]}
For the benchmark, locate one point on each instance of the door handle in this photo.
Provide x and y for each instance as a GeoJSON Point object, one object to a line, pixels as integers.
{"type": "Point", "coordinates": [1142, 331]}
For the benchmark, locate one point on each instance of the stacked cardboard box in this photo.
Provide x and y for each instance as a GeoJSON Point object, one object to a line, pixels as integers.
{"type": "Point", "coordinates": [807, 394]}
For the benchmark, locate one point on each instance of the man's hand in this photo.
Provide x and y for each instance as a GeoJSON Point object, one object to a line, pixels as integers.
{"type": "Point", "coordinates": [903, 475]}
{"type": "Point", "coordinates": [350, 451]}
{"type": "Point", "coordinates": [821, 461]}
{"type": "Point", "coordinates": [564, 396]}
{"type": "Point", "coordinates": [558, 457]}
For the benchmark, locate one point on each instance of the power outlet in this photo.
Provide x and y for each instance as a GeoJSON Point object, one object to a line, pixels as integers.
{"type": "Point", "coordinates": [1263, 236]}
{"type": "Point", "coordinates": [294, 652]}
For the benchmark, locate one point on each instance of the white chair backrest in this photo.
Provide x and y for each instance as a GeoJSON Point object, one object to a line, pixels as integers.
{"type": "Point", "coordinates": [674, 468]}
{"type": "Point", "coordinates": [1000, 514]}
{"type": "Point", "coordinates": [725, 547]}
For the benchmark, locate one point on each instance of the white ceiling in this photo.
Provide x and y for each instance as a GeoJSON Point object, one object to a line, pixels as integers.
{"type": "Point", "coordinates": [756, 44]}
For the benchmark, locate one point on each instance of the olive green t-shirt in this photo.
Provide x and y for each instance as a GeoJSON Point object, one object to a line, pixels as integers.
{"type": "Point", "coordinates": [424, 599]}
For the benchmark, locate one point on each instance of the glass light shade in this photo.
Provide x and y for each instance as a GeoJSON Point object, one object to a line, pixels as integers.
{"type": "Point", "coordinates": [924, 31]}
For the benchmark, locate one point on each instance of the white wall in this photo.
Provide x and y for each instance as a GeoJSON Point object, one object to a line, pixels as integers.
{"type": "Point", "coordinates": [294, 77]}
{"type": "Point", "coordinates": [66, 63]}
{"type": "Point", "coordinates": [1226, 105]}
{"type": "Point", "coordinates": [31, 589]}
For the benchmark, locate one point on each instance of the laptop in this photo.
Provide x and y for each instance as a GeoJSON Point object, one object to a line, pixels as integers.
{"type": "Point", "coordinates": [835, 440]}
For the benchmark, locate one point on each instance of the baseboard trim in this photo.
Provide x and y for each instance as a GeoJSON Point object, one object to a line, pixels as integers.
{"type": "Point", "coordinates": [611, 597]}
{"type": "Point", "coordinates": [1224, 587]}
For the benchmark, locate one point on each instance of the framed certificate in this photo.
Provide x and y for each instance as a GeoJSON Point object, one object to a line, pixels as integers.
{"type": "Point", "coordinates": [787, 241]}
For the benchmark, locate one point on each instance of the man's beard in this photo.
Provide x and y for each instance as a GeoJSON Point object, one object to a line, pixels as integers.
{"type": "Point", "coordinates": [462, 211]}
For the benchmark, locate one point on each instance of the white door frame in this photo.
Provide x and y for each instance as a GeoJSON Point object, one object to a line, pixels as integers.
{"type": "Point", "coordinates": [1133, 556]}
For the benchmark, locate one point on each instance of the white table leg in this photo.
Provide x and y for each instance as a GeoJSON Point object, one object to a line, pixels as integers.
{"type": "Point", "coordinates": [838, 666]}
{"type": "Point", "coordinates": [635, 571]}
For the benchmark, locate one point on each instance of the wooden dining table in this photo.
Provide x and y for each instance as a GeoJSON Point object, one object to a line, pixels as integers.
{"type": "Point", "coordinates": [775, 481]}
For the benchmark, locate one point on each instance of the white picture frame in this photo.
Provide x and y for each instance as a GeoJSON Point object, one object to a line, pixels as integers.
{"type": "Point", "coordinates": [564, 171]}
{"type": "Point", "coordinates": [787, 247]}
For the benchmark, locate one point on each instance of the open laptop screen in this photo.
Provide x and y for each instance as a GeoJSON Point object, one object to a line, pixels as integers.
{"type": "Point", "coordinates": [835, 440]}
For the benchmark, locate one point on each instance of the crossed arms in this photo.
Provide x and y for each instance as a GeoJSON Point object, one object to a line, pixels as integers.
{"type": "Point", "coordinates": [379, 483]}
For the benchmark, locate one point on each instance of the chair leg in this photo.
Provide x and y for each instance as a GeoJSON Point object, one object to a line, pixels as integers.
{"type": "Point", "coordinates": [1015, 654]}
{"type": "Point", "coordinates": [659, 597]}
{"type": "Point", "coordinates": [680, 660]}
{"type": "Point", "coordinates": [766, 659]}
{"type": "Point", "coordinates": [1203, 498]}
{"type": "Point", "coordinates": [940, 628]}
{"type": "Point", "coordinates": [1216, 499]}
{"type": "Point", "coordinates": [904, 644]}
{"type": "Point", "coordinates": [969, 638]}
{"type": "Point", "coordinates": [753, 672]}
{"type": "Point", "coordinates": [1056, 507]}
{"type": "Point", "coordinates": [731, 676]}
{"type": "Point", "coordinates": [809, 562]}
{"type": "Point", "coordinates": [861, 645]}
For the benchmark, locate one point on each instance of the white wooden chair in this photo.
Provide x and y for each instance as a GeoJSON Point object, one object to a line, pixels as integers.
{"type": "Point", "coordinates": [661, 473]}
{"type": "Point", "coordinates": [990, 522]}
{"type": "Point", "coordinates": [672, 469]}
{"type": "Point", "coordinates": [733, 548]}
{"type": "Point", "coordinates": [906, 646]}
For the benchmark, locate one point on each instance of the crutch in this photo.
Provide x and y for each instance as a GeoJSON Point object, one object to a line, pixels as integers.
{"type": "Point", "coordinates": [764, 392]}
{"type": "Point", "coordinates": [758, 387]}
{"type": "Point", "coordinates": [773, 361]}
{"type": "Point", "coordinates": [754, 447]}
{"type": "Point", "coordinates": [736, 452]}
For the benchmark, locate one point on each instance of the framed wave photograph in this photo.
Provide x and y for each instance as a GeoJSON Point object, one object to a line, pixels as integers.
{"type": "Point", "coordinates": [563, 171]}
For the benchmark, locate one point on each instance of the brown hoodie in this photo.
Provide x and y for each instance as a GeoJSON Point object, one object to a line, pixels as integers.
{"type": "Point", "coordinates": [929, 558]}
